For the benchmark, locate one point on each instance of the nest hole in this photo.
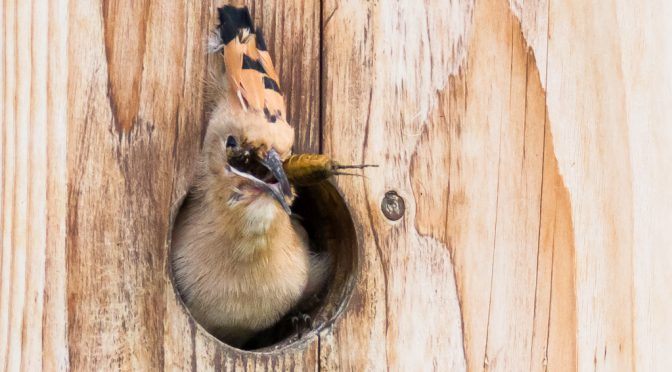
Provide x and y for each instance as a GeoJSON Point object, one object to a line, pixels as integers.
{"type": "Point", "coordinates": [328, 222]}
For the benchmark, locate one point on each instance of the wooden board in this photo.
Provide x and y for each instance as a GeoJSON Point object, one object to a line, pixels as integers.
{"type": "Point", "coordinates": [528, 140]}
{"type": "Point", "coordinates": [84, 270]}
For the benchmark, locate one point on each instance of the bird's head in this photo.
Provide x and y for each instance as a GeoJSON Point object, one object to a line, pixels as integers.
{"type": "Point", "coordinates": [247, 163]}
{"type": "Point", "coordinates": [249, 118]}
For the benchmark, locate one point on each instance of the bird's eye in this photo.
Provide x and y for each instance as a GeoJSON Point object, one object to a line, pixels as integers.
{"type": "Point", "coordinates": [231, 142]}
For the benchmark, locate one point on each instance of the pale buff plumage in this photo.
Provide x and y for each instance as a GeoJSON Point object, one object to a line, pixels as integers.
{"type": "Point", "coordinates": [239, 260]}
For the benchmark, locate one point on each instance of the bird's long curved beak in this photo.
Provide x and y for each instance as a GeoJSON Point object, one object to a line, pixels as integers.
{"type": "Point", "coordinates": [273, 162]}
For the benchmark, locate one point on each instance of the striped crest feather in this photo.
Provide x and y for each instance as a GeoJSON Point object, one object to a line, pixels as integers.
{"type": "Point", "coordinates": [248, 64]}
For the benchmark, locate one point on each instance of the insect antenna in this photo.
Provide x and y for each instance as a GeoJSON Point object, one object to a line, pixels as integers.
{"type": "Point", "coordinates": [358, 166]}
{"type": "Point", "coordinates": [349, 174]}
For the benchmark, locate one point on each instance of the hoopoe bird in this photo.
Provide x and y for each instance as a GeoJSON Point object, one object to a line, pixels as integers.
{"type": "Point", "coordinates": [240, 260]}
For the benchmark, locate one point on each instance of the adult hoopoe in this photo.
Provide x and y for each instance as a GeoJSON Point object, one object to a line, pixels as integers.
{"type": "Point", "coordinates": [240, 261]}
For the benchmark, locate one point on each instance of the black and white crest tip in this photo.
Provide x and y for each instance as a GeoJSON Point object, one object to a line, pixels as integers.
{"type": "Point", "coordinates": [232, 22]}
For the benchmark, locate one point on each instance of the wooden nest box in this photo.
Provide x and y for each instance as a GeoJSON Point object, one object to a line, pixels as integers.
{"type": "Point", "coordinates": [529, 142]}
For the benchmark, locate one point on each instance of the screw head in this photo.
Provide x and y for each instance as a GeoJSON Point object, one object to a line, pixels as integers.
{"type": "Point", "coordinates": [393, 206]}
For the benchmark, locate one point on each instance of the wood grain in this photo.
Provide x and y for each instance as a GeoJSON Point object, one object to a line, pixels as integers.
{"type": "Point", "coordinates": [554, 341]}
{"type": "Point", "coordinates": [33, 104]}
{"type": "Point", "coordinates": [408, 281]}
{"type": "Point", "coordinates": [522, 287]}
{"type": "Point", "coordinates": [527, 138]}
{"type": "Point", "coordinates": [608, 74]}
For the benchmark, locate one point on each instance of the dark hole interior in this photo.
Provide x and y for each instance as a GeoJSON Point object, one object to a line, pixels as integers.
{"type": "Point", "coordinates": [327, 220]}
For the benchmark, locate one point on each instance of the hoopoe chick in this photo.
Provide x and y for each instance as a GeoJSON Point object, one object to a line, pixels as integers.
{"type": "Point", "coordinates": [240, 261]}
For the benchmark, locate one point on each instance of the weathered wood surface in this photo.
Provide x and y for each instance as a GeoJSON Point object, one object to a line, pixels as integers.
{"type": "Point", "coordinates": [530, 141]}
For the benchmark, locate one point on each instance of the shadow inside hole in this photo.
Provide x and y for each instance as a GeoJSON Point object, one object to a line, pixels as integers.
{"type": "Point", "coordinates": [327, 220]}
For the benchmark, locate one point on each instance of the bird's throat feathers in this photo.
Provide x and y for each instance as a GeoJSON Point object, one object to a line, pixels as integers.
{"type": "Point", "coordinates": [257, 228]}
{"type": "Point", "coordinates": [259, 216]}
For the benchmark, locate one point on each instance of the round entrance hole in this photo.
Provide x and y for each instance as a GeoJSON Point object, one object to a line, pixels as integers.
{"type": "Point", "coordinates": [327, 220]}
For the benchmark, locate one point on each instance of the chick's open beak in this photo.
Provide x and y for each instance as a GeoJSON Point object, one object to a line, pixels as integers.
{"type": "Point", "coordinates": [280, 189]}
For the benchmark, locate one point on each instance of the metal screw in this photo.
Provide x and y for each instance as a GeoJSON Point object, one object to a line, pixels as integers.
{"type": "Point", "coordinates": [393, 206]}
